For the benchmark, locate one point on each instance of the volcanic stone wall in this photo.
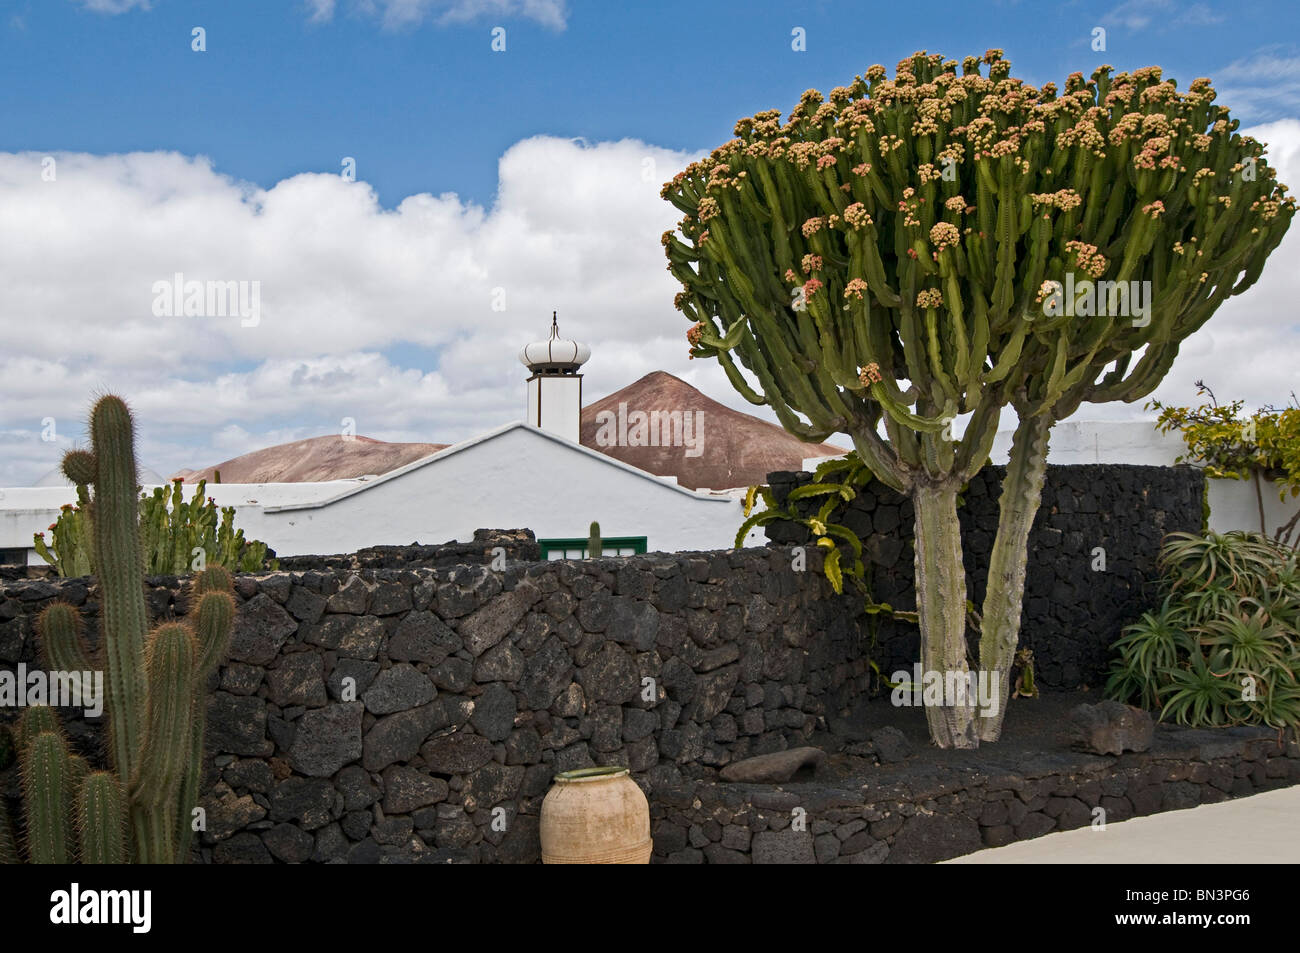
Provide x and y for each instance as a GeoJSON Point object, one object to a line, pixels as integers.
{"type": "Point", "coordinates": [916, 814]}
{"type": "Point", "coordinates": [420, 713]}
{"type": "Point", "coordinates": [1075, 605]}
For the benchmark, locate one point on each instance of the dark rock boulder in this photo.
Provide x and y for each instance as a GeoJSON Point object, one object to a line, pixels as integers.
{"type": "Point", "coordinates": [774, 768]}
{"type": "Point", "coordinates": [1109, 727]}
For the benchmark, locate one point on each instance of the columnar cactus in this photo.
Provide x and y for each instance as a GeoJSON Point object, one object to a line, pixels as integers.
{"type": "Point", "coordinates": [140, 810]}
{"type": "Point", "coordinates": [594, 550]}
{"type": "Point", "coordinates": [937, 246]}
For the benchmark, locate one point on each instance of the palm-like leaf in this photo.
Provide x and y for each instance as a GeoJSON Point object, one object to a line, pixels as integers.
{"type": "Point", "coordinates": [1196, 561]}
{"type": "Point", "coordinates": [1148, 647]}
{"type": "Point", "coordinates": [1278, 706]}
{"type": "Point", "coordinates": [1249, 646]}
{"type": "Point", "coordinates": [1198, 696]}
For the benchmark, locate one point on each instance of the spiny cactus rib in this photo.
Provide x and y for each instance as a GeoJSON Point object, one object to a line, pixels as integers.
{"type": "Point", "coordinates": [214, 579]}
{"type": "Point", "coordinates": [45, 792]}
{"type": "Point", "coordinates": [212, 626]}
{"type": "Point", "coordinates": [188, 796]}
{"type": "Point", "coordinates": [101, 820]}
{"type": "Point", "coordinates": [169, 751]}
{"type": "Point", "coordinates": [59, 630]}
{"type": "Point", "coordinates": [928, 229]}
{"type": "Point", "coordinates": [80, 467]}
{"type": "Point", "coordinates": [172, 661]}
{"type": "Point", "coordinates": [35, 720]}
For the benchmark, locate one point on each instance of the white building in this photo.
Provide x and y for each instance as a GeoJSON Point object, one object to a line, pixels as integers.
{"type": "Point", "coordinates": [528, 474]}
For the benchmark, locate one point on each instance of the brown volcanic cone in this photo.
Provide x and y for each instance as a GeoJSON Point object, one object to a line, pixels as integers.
{"type": "Point", "coordinates": [738, 449]}
{"type": "Point", "coordinates": [314, 459]}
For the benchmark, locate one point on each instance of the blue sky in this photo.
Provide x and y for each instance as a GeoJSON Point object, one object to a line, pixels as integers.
{"type": "Point", "coordinates": [529, 176]}
{"type": "Point", "coordinates": [428, 105]}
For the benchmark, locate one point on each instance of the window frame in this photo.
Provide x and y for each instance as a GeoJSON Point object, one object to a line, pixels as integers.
{"type": "Point", "coordinates": [638, 545]}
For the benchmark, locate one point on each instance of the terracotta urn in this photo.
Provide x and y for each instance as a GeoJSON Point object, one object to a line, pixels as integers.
{"type": "Point", "coordinates": [595, 816]}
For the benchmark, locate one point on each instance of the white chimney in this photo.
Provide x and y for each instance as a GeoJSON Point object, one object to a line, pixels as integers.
{"type": "Point", "coordinates": [555, 387]}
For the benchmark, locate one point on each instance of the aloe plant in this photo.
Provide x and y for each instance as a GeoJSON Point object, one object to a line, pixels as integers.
{"type": "Point", "coordinates": [907, 252]}
{"type": "Point", "coordinates": [1223, 648]}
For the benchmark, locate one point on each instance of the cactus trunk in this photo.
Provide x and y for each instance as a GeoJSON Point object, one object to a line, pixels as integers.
{"type": "Point", "coordinates": [941, 606]}
{"type": "Point", "coordinates": [121, 578]}
{"type": "Point", "coordinates": [1022, 491]}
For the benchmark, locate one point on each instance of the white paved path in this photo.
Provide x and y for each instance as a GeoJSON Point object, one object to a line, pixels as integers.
{"type": "Point", "coordinates": [1260, 829]}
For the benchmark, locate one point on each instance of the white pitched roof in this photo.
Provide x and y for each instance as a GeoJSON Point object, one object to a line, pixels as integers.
{"type": "Point", "coordinates": [346, 488]}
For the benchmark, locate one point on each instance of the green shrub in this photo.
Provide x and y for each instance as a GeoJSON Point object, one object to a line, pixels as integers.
{"type": "Point", "coordinates": [1223, 647]}
{"type": "Point", "coordinates": [1232, 446]}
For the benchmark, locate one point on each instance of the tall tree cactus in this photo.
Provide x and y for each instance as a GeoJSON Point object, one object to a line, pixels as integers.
{"type": "Point", "coordinates": [141, 810]}
{"type": "Point", "coordinates": [905, 259]}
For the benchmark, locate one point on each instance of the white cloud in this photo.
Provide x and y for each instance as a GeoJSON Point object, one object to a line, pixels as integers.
{"type": "Point", "coordinates": [397, 14]}
{"type": "Point", "coordinates": [319, 10]}
{"type": "Point", "coordinates": [113, 7]}
{"type": "Point", "coordinates": [1140, 14]}
{"type": "Point", "coordinates": [1265, 85]}
{"type": "Point", "coordinates": [348, 288]}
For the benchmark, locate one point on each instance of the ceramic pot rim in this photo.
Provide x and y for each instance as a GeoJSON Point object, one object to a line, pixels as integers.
{"type": "Point", "coordinates": [579, 775]}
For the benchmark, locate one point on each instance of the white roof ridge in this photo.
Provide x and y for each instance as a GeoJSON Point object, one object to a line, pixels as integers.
{"type": "Point", "coordinates": [483, 438]}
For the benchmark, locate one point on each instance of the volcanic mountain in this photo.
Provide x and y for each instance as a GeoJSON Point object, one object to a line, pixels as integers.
{"type": "Point", "coordinates": [721, 449]}
{"type": "Point", "coordinates": [315, 459]}
{"type": "Point", "coordinates": [730, 448]}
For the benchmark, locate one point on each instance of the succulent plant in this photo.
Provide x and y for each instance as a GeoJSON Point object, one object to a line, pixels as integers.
{"type": "Point", "coordinates": [141, 809]}
{"type": "Point", "coordinates": [910, 251]}
{"type": "Point", "coordinates": [174, 531]}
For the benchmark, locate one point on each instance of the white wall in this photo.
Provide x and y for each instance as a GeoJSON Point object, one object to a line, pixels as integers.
{"type": "Point", "coordinates": [1089, 441]}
